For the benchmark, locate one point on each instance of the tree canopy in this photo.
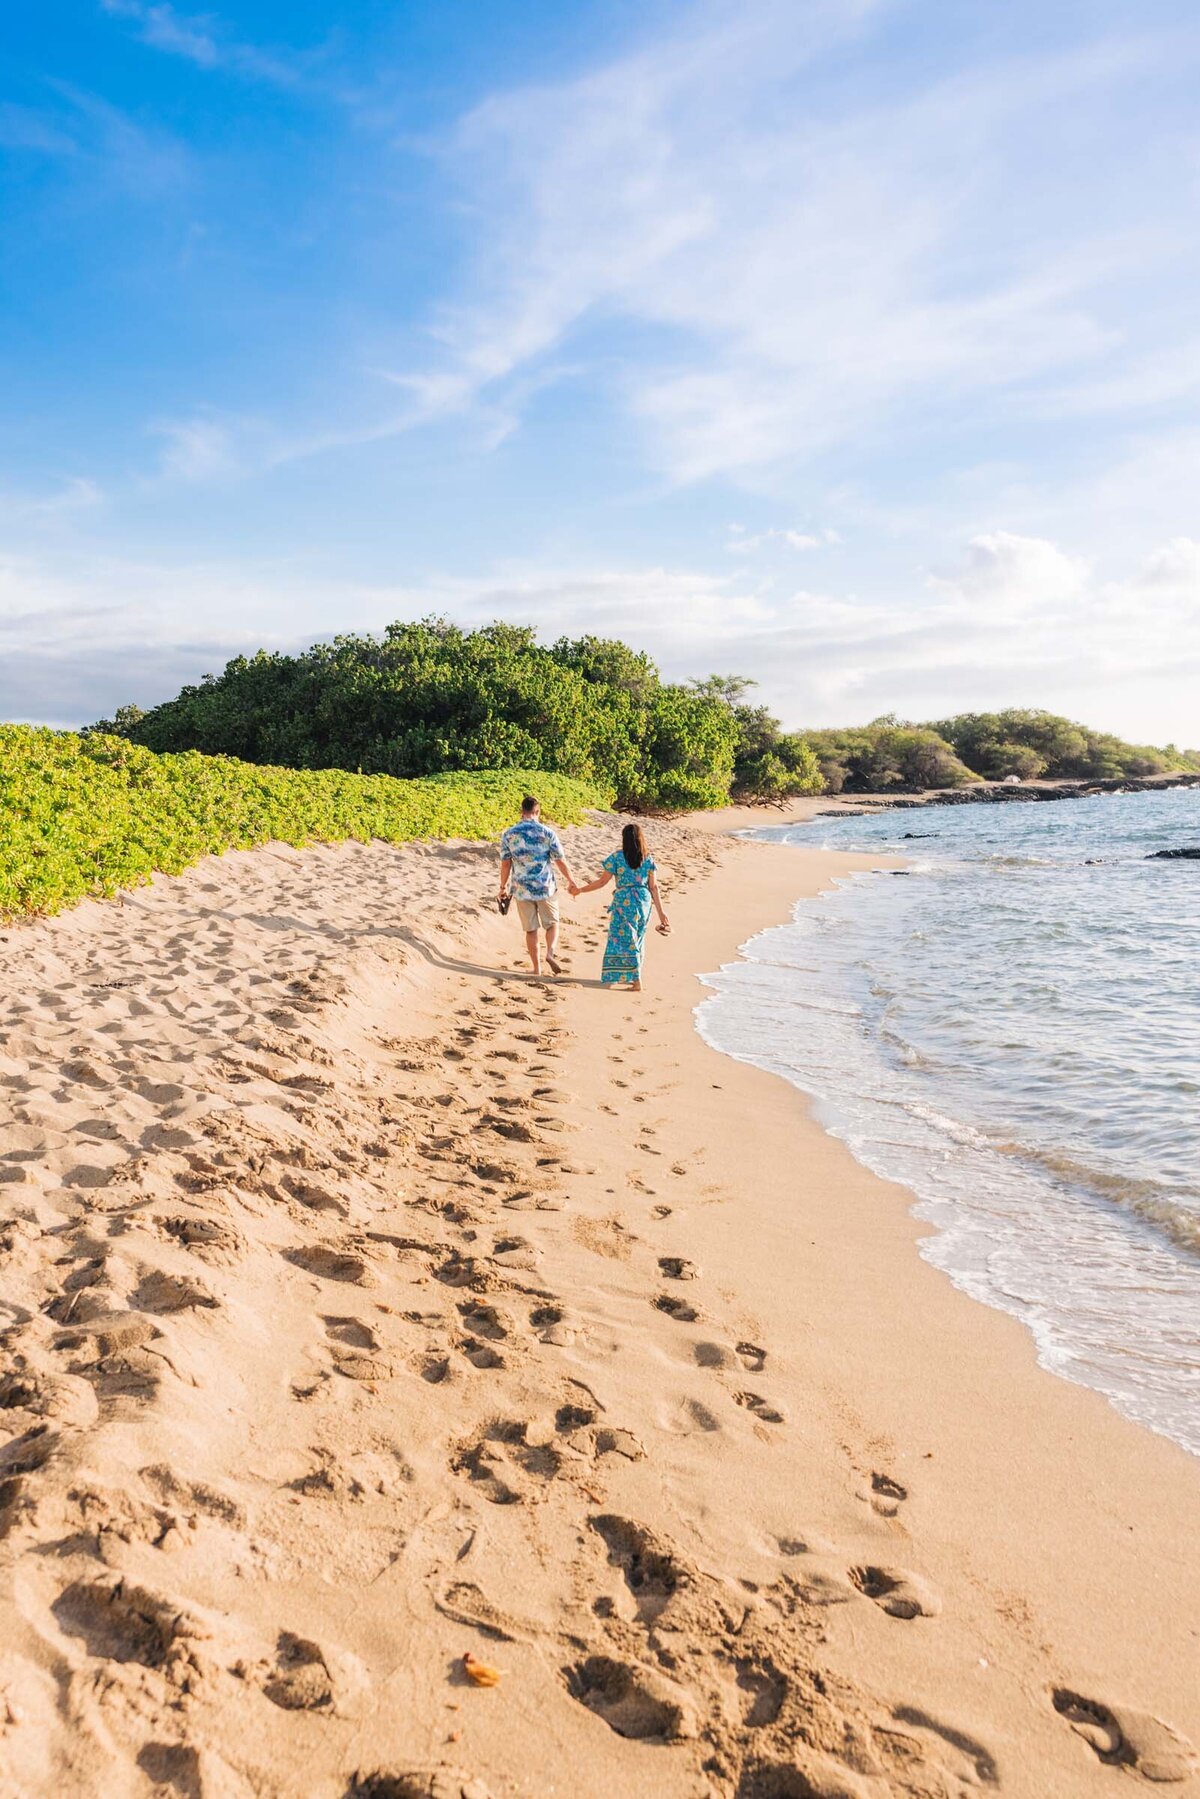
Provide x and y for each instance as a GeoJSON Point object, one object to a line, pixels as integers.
{"type": "Point", "coordinates": [429, 697]}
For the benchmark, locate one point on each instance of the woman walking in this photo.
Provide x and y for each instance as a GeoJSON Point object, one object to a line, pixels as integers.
{"type": "Point", "coordinates": [636, 893]}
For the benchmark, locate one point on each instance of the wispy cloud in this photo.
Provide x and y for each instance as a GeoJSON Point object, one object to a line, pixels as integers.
{"type": "Point", "coordinates": [742, 542]}
{"type": "Point", "coordinates": [77, 494]}
{"type": "Point", "coordinates": [198, 448]}
{"type": "Point", "coordinates": [145, 161]}
{"type": "Point", "coordinates": [202, 39]}
{"type": "Point", "coordinates": [818, 271]}
{"type": "Point", "coordinates": [27, 128]}
{"type": "Point", "coordinates": [164, 29]}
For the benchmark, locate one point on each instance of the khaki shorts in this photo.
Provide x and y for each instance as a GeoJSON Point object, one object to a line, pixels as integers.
{"type": "Point", "coordinates": [542, 912]}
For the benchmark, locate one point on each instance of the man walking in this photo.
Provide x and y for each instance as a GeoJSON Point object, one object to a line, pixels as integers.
{"type": "Point", "coordinates": [530, 852]}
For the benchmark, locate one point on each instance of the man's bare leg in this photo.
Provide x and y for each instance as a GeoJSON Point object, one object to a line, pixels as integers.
{"type": "Point", "coordinates": [552, 946]}
{"type": "Point", "coordinates": [535, 956]}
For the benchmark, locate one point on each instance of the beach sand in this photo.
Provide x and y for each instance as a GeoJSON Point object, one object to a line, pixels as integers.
{"type": "Point", "coordinates": [366, 1304]}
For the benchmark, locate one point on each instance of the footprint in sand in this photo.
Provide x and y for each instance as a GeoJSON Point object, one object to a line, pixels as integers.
{"type": "Point", "coordinates": [807, 1774]}
{"type": "Point", "coordinates": [677, 1268]}
{"type": "Point", "coordinates": [466, 1603]}
{"type": "Point", "coordinates": [633, 1700]}
{"type": "Point", "coordinates": [299, 1680]}
{"type": "Point", "coordinates": [897, 1592]}
{"type": "Point", "coordinates": [762, 1408]}
{"type": "Point", "coordinates": [485, 1321]}
{"type": "Point", "coordinates": [501, 1457]}
{"type": "Point", "coordinates": [651, 1573]}
{"type": "Point", "coordinates": [212, 1239]}
{"type": "Point", "coordinates": [686, 1417]}
{"type": "Point", "coordinates": [763, 1689]}
{"type": "Point", "coordinates": [550, 1323]}
{"type": "Point", "coordinates": [1124, 1737]}
{"type": "Point", "coordinates": [122, 1622]}
{"type": "Point", "coordinates": [160, 1292]}
{"type": "Point", "coordinates": [442, 1782]}
{"type": "Point", "coordinates": [435, 1369]}
{"type": "Point", "coordinates": [679, 1309]}
{"type": "Point", "coordinates": [887, 1495]}
{"type": "Point", "coordinates": [350, 1331]}
{"type": "Point", "coordinates": [333, 1263]}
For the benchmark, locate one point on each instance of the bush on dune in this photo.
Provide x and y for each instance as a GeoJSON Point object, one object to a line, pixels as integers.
{"type": "Point", "coordinates": [83, 816]}
{"type": "Point", "coordinates": [429, 697]}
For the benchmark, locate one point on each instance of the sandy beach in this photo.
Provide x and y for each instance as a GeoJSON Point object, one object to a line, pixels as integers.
{"type": "Point", "coordinates": [367, 1305]}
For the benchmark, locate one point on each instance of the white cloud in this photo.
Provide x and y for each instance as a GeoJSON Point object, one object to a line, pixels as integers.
{"type": "Point", "coordinates": [742, 542]}
{"type": "Point", "coordinates": [819, 269]}
{"type": "Point", "coordinates": [1175, 567]}
{"type": "Point", "coordinates": [81, 636]}
{"type": "Point", "coordinates": [1009, 575]}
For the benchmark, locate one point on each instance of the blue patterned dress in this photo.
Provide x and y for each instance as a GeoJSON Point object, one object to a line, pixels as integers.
{"type": "Point", "coordinates": [628, 916]}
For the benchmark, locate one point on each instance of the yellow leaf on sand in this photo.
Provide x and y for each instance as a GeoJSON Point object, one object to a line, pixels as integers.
{"type": "Point", "coordinates": [480, 1674]}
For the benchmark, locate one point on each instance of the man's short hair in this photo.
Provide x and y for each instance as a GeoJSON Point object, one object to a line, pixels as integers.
{"type": "Point", "coordinates": [529, 805]}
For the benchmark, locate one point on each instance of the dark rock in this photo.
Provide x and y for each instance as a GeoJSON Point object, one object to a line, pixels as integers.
{"type": "Point", "coordinates": [1189, 854]}
{"type": "Point", "coordinates": [999, 794]}
{"type": "Point", "coordinates": [920, 834]}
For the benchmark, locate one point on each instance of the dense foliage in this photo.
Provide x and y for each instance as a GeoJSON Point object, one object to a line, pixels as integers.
{"type": "Point", "coordinates": [1033, 744]}
{"type": "Point", "coordinates": [872, 758]}
{"type": "Point", "coordinates": [428, 697]}
{"type": "Point", "coordinates": [84, 816]}
{"type": "Point", "coordinates": [769, 763]}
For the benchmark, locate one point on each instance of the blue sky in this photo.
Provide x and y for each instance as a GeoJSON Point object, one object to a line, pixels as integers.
{"type": "Point", "coordinates": [849, 344]}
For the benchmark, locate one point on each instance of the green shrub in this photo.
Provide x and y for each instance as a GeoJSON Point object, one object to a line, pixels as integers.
{"type": "Point", "coordinates": [887, 755]}
{"type": "Point", "coordinates": [1030, 743]}
{"type": "Point", "coordinates": [83, 816]}
{"type": "Point", "coordinates": [427, 697]}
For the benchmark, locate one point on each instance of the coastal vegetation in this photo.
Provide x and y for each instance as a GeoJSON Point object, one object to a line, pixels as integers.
{"type": "Point", "coordinates": [430, 698]}
{"type": "Point", "coordinates": [83, 816]}
{"type": "Point", "coordinates": [433, 731]}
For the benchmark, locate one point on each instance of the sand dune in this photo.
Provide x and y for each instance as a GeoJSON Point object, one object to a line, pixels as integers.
{"type": "Point", "coordinates": [366, 1304]}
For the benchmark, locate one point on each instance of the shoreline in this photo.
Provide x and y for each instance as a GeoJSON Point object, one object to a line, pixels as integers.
{"type": "Point", "coordinates": [837, 1528]}
{"type": "Point", "coordinates": [730, 820]}
{"type": "Point", "coordinates": [975, 1207]}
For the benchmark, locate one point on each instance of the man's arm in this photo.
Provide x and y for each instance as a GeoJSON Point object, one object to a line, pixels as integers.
{"type": "Point", "coordinates": [568, 877]}
{"type": "Point", "coordinates": [505, 872]}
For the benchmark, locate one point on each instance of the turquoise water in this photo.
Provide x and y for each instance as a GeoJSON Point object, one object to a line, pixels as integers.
{"type": "Point", "coordinates": [1012, 1029]}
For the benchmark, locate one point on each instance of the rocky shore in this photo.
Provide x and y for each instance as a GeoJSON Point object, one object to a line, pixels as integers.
{"type": "Point", "coordinates": [1000, 792]}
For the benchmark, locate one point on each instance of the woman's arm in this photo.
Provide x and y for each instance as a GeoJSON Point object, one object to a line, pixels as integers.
{"type": "Point", "coordinates": [601, 880]}
{"type": "Point", "coordinates": [664, 923]}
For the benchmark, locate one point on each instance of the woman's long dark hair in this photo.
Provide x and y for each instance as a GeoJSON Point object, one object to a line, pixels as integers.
{"type": "Point", "coordinates": [633, 845]}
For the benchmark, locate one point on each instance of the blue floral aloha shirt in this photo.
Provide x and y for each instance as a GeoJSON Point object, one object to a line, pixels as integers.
{"type": "Point", "coordinates": [532, 848]}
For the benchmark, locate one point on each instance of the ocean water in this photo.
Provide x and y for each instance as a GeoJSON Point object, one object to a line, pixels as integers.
{"type": "Point", "coordinates": [1012, 1029]}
